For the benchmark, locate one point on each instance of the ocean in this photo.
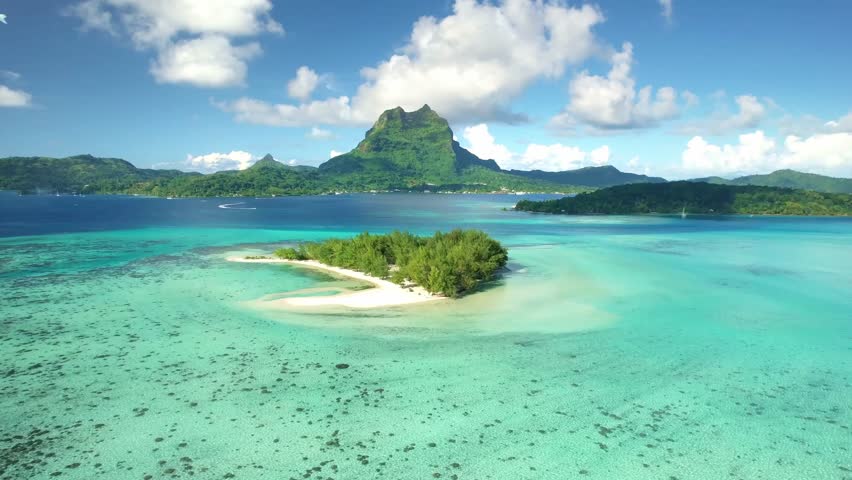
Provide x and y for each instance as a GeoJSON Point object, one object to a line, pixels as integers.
{"type": "Point", "coordinates": [615, 347]}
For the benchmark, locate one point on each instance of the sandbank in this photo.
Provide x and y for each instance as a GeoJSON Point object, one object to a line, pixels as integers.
{"type": "Point", "coordinates": [383, 294]}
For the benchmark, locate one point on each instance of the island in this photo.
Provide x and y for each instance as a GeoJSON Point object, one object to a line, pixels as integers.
{"type": "Point", "coordinates": [403, 151]}
{"type": "Point", "coordinates": [687, 197]}
{"type": "Point", "coordinates": [402, 267]}
{"type": "Point", "coordinates": [413, 151]}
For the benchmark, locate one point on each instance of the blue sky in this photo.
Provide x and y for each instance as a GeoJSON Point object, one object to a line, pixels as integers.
{"type": "Point", "coordinates": [673, 88]}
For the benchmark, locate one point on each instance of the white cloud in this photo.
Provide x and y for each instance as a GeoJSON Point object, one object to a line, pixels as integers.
{"type": "Point", "coordinates": [215, 162]}
{"type": "Point", "coordinates": [751, 154]}
{"type": "Point", "coordinates": [666, 9]}
{"type": "Point", "coordinates": [611, 103]}
{"type": "Point", "coordinates": [331, 111]}
{"type": "Point", "coordinates": [193, 38]}
{"type": "Point", "coordinates": [831, 153]}
{"type": "Point", "coordinates": [807, 125]}
{"type": "Point", "coordinates": [303, 84]}
{"type": "Point", "coordinates": [482, 144]}
{"type": "Point", "coordinates": [636, 165]}
{"type": "Point", "coordinates": [750, 112]}
{"type": "Point", "coordinates": [94, 16]}
{"type": "Point", "coordinates": [553, 157]}
{"type": "Point", "coordinates": [14, 98]}
{"type": "Point", "coordinates": [334, 153]}
{"type": "Point", "coordinates": [599, 156]}
{"type": "Point", "coordinates": [10, 75]}
{"type": "Point", "coordinates": [467, 66]}
{"type": "Point", "coordinates": [156, 22]}
{"type": "Point", "coordinates": [634, 162]}
{"type": "Point", "coordinates": [208, 61]}
{"type": "Point", "coordinates": [690, 98]}
{"type": "Point", "coordinates": [320, 134]}
{"type": "Point", "coordinates": [755, 152]}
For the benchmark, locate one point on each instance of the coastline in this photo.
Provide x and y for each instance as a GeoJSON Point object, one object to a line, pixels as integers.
{"type": "Point", "coordinates": [383, 294]}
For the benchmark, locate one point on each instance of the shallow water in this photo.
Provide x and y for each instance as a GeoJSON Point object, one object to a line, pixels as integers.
{"type": "Point", "coordinates": [617, 347]}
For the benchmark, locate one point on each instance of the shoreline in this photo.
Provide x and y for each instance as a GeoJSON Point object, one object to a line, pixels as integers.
{"type": "Point", "coordinates": [384, 293]}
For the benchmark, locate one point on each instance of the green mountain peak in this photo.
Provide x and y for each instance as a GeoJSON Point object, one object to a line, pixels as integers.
{"type": "Point", "coordinates": [267, 161]}
{"type": "Point", "coordinates": [408, 148]}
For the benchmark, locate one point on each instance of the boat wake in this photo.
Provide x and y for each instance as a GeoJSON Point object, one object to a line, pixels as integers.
{"type": "Point", "coordinates": [232, 206]}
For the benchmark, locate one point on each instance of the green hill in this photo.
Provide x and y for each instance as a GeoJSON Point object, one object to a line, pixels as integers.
{"type": "Point", "coordinates": [596, 177]}
{"type": "Point", "coordinates": [410, 149]}
{"type": "Point", "coordinates": [696, 197]}
{"type": "Point", "coordinates": [788, 179]}
{"type": "Point", "coordinates": [80, 173]}
{"type": "Point", "coordinates": [403, 151]}
{"type": "Point", "coordinates": [266, 177]}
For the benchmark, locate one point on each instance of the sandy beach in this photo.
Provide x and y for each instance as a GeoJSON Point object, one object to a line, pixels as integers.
{"type": "Point", "coordinates": [383, 294]}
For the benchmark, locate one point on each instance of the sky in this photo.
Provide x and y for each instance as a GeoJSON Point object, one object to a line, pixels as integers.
{"type": "Point", "coordinates": [674, 88]}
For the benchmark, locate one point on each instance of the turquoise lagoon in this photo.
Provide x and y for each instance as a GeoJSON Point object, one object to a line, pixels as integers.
{"type": "Point", "coordinates": [616, 347]}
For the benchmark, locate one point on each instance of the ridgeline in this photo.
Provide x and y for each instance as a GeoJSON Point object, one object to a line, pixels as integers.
{"type": "Point", "coordinates": [695, 197]}
{"type": "Point", "coordinates": [403, 151]}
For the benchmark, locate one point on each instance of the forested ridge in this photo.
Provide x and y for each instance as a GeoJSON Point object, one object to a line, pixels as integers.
{"type": "Point", "coordinates": [696, 197]}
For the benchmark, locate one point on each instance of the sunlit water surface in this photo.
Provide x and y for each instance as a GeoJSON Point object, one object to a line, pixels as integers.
{"type": "Point", "coordinates": [615, 348]}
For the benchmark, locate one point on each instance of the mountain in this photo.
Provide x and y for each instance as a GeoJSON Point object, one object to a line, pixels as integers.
{"type": "Point", "coordinates": [80, 173]}
{"type": "Point", "coordinates": [696, 197]}
{"type": "Point", "coordinates": [597, 177]}
{"type": "Point", "coordinates": [268, 162]}
{"type": "Point", "coordinates": [407, 149]}
{"type": "Point", "coordinates": [266, 177]}
{"type": "Point", "coordinates": [788, 179]}
{"type": "Point", "coordinates": [412, 151]}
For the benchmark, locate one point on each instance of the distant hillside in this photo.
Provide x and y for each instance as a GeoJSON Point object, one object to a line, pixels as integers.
{"type": "Point", "coordinates": [596, 177]}
{"type": "Point", "coordinates": [788, 179]}
{"type": "Point", "coordinates": [265, 178]}
{"type": "Point", "coordinates": [696, 197]}
{"type": "Point", "coordinates": [407, 149]}
{"type": "Point", "coordinates": [80, 173]}
{"type": "Point", "coordinates": [403, 151]}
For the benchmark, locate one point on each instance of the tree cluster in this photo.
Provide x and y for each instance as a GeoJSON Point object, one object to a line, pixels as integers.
{"type": "Point", "coordinates": [447, 263]}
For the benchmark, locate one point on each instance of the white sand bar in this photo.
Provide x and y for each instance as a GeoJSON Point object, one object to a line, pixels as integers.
{"type": "Point", "coordinates": [384, 293]}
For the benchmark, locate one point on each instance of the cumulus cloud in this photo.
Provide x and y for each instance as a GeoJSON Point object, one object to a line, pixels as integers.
{"type": "Point", "coordinates": [554, 157]}
{"type": "Point", "coordinates": [755, 152]}
{"type": "Point", "coordinates": [317, 133]}
{"type": "Point", "coordinates": [750, 112]}
{"type": "Point", "coordinates": [193, 38]}
{"type": "Point", "coordinates": [14, 98]}
{"type": "Point", "coordinates": [215, 162]}
{"type": "Point", "coordinates": [690, 98]}
{"type": "Point", "coordinates": [608, 104]}
{"type": "Point", "coordinates": [482, 144]}
{"type": "Point", "coordinates": [807, 125]}
{"type": "Point", "coordinates": [208, 61]}
{"type": "Point", "coordinates": [331, 111]}
{"type": "Point", "coordinates": [599, 156]}
{"type": "Point", "coordinates": [666, 9]}
{"type": "Point", "coordinates": [334, 153]}
{"type": "Point", "coordinates": [468, 66]}
{"type": "Point", "coordinates": [303, 84]}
